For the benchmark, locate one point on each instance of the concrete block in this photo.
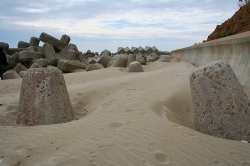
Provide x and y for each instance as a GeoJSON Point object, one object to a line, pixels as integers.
{"type": "Point", "coordinates": [120, 50]}
{"type": "Point", "coordinates": [65, 38]}
{"type": "Point", "coordinates": [43, 62]}
{"type": "Point", "coordinates": [83, 60]}
{"type": "Point", "coordinates": [19, 67]}
{"type": "Point", "coordinates": [40, 49]}
{"type": "Point", "coordinates": [220, 105]}
{"type": "Point", "coordinates": [141, 50]}
{"type": "Point", "coordinates": [35, 65]}
{"type": "Point", "coordinates": [50, 54]}
{"type": "Point", "coordinates": [44, 37]}
{"type": "Point", "coordinates": [140, 58]}
{"type": "Point", "coordinates": [29, 55]}
{"type": "Point", "coordinates": [131, 58]}
{"type": "Point", "coordinates": [73, 55]}
{"type": "Point", "coordinates": [152, 57]}
{"type": "Point", "coordinates": [21, 74]}
{"type": "Point", "coordinates": [148, 50]}
{"type": "Point", "coordinates": [69, 66]}
{"type": "Point", "coordinates": [34, 41]}
{"type": "Point", "coordinates": [15, 50]}
{"type": "Point", "coordinates": [5, 47]}
{"type": "Point", "coordinates": [94, 60]}
{"type": "Point", "coordinates": [22, 44]}
{"type": "Point", "coordinates": [166, 58]}
{"type": "Point", "coordinates": [127, 50]}
{"type": "Point", "coordinates": [135, 66]}
{"type": "Point", "coordinates": [105, 59]}
{"type": "Point", "coordinates": [134, 50]}
{"type": "Point", "coordinates": [155, 50]}
{"type": "Point", "coordinates": [121, 61]}
{"type": "Point", "coordinates": [65, 50]}
{"type": "Point", "coordinates": [12, 60]}
{"type": "Point", "coordinates": [32, 49]}
{"type": "Point", "coordinates": [10, 74]}
{"type": "Point", "coordinates": [105, 52]}
{"type": "Point", "coordinates": [95, 66]}
{"type": "Point", "coordinates": [44, 98]}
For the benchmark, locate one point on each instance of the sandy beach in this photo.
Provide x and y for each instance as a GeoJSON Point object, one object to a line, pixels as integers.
{"type": "Point", "coordinates": [121, 118]}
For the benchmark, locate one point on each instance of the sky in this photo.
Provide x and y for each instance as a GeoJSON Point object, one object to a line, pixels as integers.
{"type": "Point", "coordinates": [108, 24]}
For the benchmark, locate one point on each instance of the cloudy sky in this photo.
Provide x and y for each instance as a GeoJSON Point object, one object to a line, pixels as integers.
{"type": "Point", "coordinates": [107, 24]}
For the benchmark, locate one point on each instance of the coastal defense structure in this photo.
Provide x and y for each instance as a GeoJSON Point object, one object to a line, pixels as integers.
{"type": "Point", "coordinates": [44, 98]}
{"type": "Point", "coordinates": [235, 50]}
{"type": "Point", "coordinates": [220, 105]}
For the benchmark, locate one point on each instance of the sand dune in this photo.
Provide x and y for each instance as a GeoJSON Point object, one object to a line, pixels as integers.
{"type": "Point", "coordinates": [121, 118]}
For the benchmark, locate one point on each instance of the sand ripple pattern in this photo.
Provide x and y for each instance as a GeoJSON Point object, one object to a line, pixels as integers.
{"type": "Point", "coordinates": [121, 119]}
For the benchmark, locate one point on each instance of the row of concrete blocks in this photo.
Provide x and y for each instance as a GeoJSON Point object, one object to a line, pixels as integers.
{"type": "Point", "coordinates": [220, 105]}
{"type": "Point", "coordinates": [135, 50]}
{"type": "Point", "coordinates": [34, 41]}
{"type": "Point", "coordinates": [70, 64]}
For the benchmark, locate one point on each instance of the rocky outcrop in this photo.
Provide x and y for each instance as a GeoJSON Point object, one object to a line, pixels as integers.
{"type": "Point", "coordinates": [220, 105]}
{"type": "Point", "coordinates": [238, 23]}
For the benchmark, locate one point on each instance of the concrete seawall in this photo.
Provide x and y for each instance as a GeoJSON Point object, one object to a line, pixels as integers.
{"type": "Point", "coordinates": [233, 49]}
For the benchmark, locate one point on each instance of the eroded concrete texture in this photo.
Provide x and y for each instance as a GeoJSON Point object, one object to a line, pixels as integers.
{"type": "Point", "coordinates": [44, 98]}
{"type": "Point", "coordinates": [221, 107]}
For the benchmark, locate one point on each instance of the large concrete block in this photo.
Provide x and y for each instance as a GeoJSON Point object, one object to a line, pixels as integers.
{"type": "Point", "coordinates": [83, 60]}
{"type": "Point", "coordinates": [95, 66]}
{"type": "Point", "coordinates": [64, 41]}
{"type": "Point", "coordinates": [131, 58]}
{"type": "Point", "coordinates": [220, 105]}
{"type": "Point", "coordinates": [121, 61]}
{"type": "Point", "coordinates": [65, 38]}
{"type": "Point", "coordinates": [10, 74]}
{"type": "Point", "coordinates": [15, 50]}
{"type": "Point", "coordinates": [141, 50]}
{"type": "Point", "coordinates": [105, 52]}
{"type": "Point", "coordinates": [140, 58]}
{"type": "Point", "coordinates": [134, 50]}
{"type": "Point", "coordinates": [12, 60]}
{"type": "Point", "coordinates": [166, 58]}
{"type": "Point", "coordinates": [135, 66]}
{"type": "Point", "coordinates": [69, 66]}
{"type": "Point", "coordinates": [19, 67]}
{"type": "Point", "coordinates": [120, 50]}
{"type": "Point", "coordinates": [44, 98]}
{"type": "Point", "coordinates": [155, 50]}
{"type": "Point", "coordinates": [32, 48]}
{"type": "Point", "coordinates": [44, 37]}
{"type": "Point", "coordinates": [50, 54]}
{"type": "Point", "coordinates": [5, 47]}
{"type": "Point", "coordinates": [43, 62]}
{"type": "Point", "coordinates": [65, 50]}
{"type": "Point", "coordinates": [21, 74]}
{"type": "Point", "coordinates": [93, 60]}
{"type": "Point", "coordinates": [34, 41]}
{"type": "Point", "coordinates": [105, 59]}
{"type": "Point", "coordinates": [152, 57]}
{"type": "Point", "coordinates": [127, 50]}
{"type": "Point", "coordinates": [73, 55]}
{"type": "Point", "coordinates": [35, 65]}
{"type": "Point", "coordinates": [22, 44]}
{"type": "Point", "coordinates": [148, 50]}
{"type": "Point", "coordinates": [29, 55]}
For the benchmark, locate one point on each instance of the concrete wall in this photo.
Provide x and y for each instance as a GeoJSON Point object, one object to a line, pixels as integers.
{"type": "Point", "coordinates": [233, 49]}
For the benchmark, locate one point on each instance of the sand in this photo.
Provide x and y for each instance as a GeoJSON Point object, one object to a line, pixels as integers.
{"type": "Point", "coordinates": [121, 118]}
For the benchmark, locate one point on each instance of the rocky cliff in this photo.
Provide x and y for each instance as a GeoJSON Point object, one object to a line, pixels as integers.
{"type": "Point", "coordinates": [238, 23]}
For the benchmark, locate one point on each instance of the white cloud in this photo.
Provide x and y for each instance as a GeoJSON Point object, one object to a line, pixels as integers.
{"type": "Point", "coordinates": [132, 19]}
